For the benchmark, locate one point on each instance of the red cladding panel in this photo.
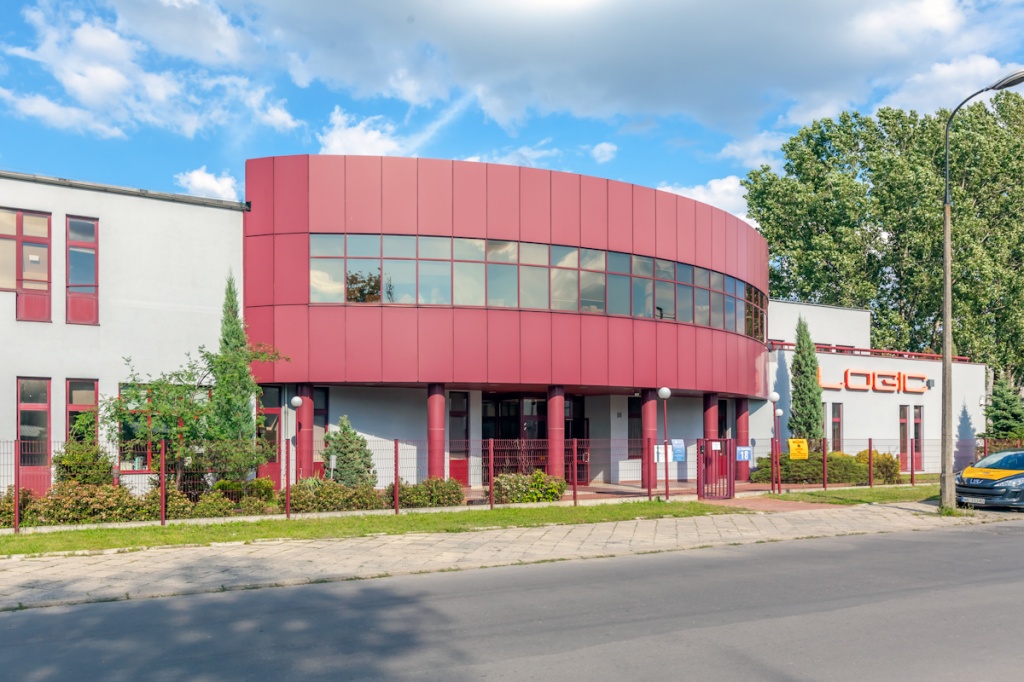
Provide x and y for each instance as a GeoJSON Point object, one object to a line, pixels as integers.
{"type": "Point", "coordinates": [733, 360]}
{"type": "Point", "coordinates": [503, 358]}
{"type": "Point", "coordinates": [398, 206]}
{"type": "Point", "coordinates": [668, 355]}
{"type": "Point", "coordinates": [566, 349]}
{"type": "Point", "coordinates": [435, 196]}
{"type": "Point", "coordinates": [665, 225]}
{"type": "Point", "coordinates": [594, 350]}
{"type": "Point", "coordinates": [436, 342]}
{"type": "Point", "coordinates": [502, 202]}
{"type": "Point", "coordinates": [535, 348]}
{"type": "Point", "coordinates": [363, 344]}
{"type": "Point", "coordinates": [620, 352]}
{"type": "Point", "coordinates": [732, 229]}
{"type": "Point", "coordinates": [291, 194]}
{"type": "Point", "coordinates": [718, 222]}
{"type": "Point", "coordinates": [687, 357]}
{"type": "Point", "coordinates": [327, 343]}
{"type": "Point", "coordinates": [686, 230]}
{"type": "Point", "coordinates": [702, 232]}
{"type": "Point", "coordinates": [400, 344]}
{"type": "Point", "coordinates": [703, 352]}
{"type": "Point", "coordinates": [719, 360]}
{"type": "Point", "coordinates": [291, 338]}
{"type": "Point", "coordinates": [470, 345]}
{"type": "Point", "coordinates": [742, 255]}
{"type": "Point", "coordinates": [362, 194]}
{"type": "Point", "coordinates": [291, 268]}
{"type": "Point", "coordinates": [645, 356]}
{"type": "Point", "coordinates": [259, 328]}
{"type": "Point", "coordinates": [644, 231]}
{"type": "Point", "coordinates": [259, 271]}
{"type": "Point", "coordinates": [469, 209]}
{"type": "Point", "coordinates": [565, 208]}
{"type": "Point", "coordinates": [259, 191]}
{"type": "Point", "coordinates": [326, 193]}
{"type": "Point", "coordinates": [82, 309]}
{"type": "Point", "coordinates": [620, 216]}
{"type": "Point", "coordinates": [593, 213]}
{"type": "Point", "coordinates": [535, 205]}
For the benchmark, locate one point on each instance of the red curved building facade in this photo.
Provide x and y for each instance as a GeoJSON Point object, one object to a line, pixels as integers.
{"type": "Point", "coordinates": [539, 265]}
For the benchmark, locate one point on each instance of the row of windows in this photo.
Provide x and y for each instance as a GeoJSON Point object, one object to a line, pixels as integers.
{"type": "Point", "coordinates": [395, 269]}
{"type": "Point", "coordinates": [34, 415]}
{"type": "Point", "coordinates": [25, 247]}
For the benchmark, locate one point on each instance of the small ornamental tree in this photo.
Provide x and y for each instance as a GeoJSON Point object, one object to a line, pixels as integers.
{"type": "Point", "coordinates": [1005, 411]}
{"type": "Point", "coordinates": [234, 392]}
{"type": "Point", "coordinates": [353, 464]}
{"type": "Point", "coordinates": [805, 411]}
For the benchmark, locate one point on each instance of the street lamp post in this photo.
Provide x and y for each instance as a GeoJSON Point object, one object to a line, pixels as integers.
{"type": "Point", "coordinates": [947, 489]}
{"type": "Point", "coordinates": [773, 398]}
{"type": "Point", "coordinates": [664, 393]}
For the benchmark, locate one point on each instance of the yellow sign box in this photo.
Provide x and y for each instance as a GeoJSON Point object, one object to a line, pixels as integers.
{"type": "Point", "coordinates": [798, 448]}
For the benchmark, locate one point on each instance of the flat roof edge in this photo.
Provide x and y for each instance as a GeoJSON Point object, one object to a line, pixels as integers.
{"type": "Point", "coordinates": [124, 191]}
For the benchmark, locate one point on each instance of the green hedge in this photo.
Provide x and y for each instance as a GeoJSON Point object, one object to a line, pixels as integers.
{"type": "Point", "coordinates": [537, 487]}
{"type": "Point", "coordinates": [319, 495]}
{"type": "Point", "coordinates": [842, 468]}
{"type": "Point", "coordinates": [433, 492]}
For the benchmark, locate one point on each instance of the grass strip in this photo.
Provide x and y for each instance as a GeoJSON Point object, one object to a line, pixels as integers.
{"type": "Point", "coordinates": [864, 495]}
{"type": "Point", "coordinates": [95, 539]}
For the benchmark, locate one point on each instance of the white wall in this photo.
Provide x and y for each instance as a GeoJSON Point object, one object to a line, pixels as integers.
{"type": "Point", "coordinates": [827, 324]}
{"type": "Point", "coordinates": [162, 269]}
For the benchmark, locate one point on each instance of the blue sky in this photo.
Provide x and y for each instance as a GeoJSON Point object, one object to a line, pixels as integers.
{"type": "Point", "coordinates": [686, 95]}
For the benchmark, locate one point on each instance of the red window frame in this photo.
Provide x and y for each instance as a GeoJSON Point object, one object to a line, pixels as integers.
{"type": "Point", "coordinates": [34, 407]}
{"type": "Point", "coordinates": [837, 426]}
{"type": "Point", "coordinates": [82, 307]}
{"type": "Point", "coordinates": [78, 407]}
{"type": "Point", "coordinates": [33, 303]}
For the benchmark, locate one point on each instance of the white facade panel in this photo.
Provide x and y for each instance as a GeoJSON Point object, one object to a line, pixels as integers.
{"type": "Point", "coordinates": [827, 324]}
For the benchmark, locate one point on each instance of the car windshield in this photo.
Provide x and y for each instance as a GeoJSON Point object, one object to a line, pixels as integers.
{"type": "Point", "coordinates": [1002, 460]}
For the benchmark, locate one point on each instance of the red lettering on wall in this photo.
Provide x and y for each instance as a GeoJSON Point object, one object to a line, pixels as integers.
{"type": "Point", "coordinates": [920, 383]}
{"type": "Point", "coordinates": [886, 382]}
{"type": "Point", "coordinates": [832, 387]}
{"type": "Point", "coordinates": [855, 386]}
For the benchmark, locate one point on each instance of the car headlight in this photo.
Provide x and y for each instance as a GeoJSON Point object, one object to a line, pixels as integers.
{"type": "Point", "coordinates": [1012, 483]}
{"type": "Point", "coordinates": [959, 478]}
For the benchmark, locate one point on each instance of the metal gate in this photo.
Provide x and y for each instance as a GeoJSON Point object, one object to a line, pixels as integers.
{"type": "Point", "coordinates": [716, 468]}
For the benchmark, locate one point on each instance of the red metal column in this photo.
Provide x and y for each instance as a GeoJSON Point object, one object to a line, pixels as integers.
{"type": "Point", "coordinates": [556, 431]}
{"type": "Point", "coordinates": [710, 415]}
{"type": "Point", "coordinates": [435, 430]}
{"type": "Point", "coordinates": [304, 432]}
{"type": "Point", "coordinates": [742, 422]}
{"type": "Point", "coordinates": [649, 432]}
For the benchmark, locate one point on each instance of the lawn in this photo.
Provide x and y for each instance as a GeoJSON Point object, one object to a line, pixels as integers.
{"type": "Point", "coordinates": [343, 526]}
{"type": "Point", "coordinates": [864, 495]}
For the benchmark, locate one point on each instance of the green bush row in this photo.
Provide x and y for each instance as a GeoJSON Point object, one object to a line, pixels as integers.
{"type": "Point", "coordinates": [535, 487]}
{"type": "Point", "coordinates": [842, 468]}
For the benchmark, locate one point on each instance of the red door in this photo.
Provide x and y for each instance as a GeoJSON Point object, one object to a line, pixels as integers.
{"type": "Point", "coordinates": [271, 433]}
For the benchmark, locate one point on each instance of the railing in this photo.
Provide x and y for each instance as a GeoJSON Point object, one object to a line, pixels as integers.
{"type": "Point", "coordinates": [873, 352]}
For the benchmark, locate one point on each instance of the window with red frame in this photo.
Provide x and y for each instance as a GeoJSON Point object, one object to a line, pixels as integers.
{"type": "Point", "coordinates": [34, 422]}
{"type": "Point", "coordinates": [81, 400]}
{"type": "Point", "coordinates": [25, 261]}
{"type": "Point", "coordinates": [83, 272]}
{"type": "Point", "coordinates": [837, 426]}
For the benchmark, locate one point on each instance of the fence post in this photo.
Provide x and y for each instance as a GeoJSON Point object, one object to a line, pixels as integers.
{"type": "Point", "coordinates": [490, 469]}
{"type": "Point", "coordinates": [824, 463]}
{"type": "Point", "coordinates": [912, 463]}
{"type": "Point", "coordinates": [575, 475]}
{"type": "Point", "coordinates": [17, 486]}
{"type": "Point", "coordinates": [871, 464]}
{"type": "Point", "coordinates": [117, 471]}
{"type": "Point", "coordinates": [163, 483]}
{"type": "Point", "coordinates": [664, 450]}
{"type": "Point", "coordinates": [776, 462]}
{"type": "Point", "coordinates": [649, 461]}
{"type": "Point", "coordinates": [700, 469]}
{"type": "Point", "coordinates": [288, 479]}
{"type": "Point", "coordinates": [396, 476]}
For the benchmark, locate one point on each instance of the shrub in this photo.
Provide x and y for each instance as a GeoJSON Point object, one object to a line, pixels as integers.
{"type": "Point", "coordinates": [433, 492]}
{"type": "Point", "coordinates": [252, 506]}
{"type": "Point", "coordinates": [353, 460]}
{"type": "Point", "coordinates": [366, 497]}
{"type": "Point", "coordinates": [27, 505]}
{"type": "Point", "coordinates": [537, 487]}
{"type": "Point", "coordinates": [178, 505]}
{"type": "Point", "coordinates": [303, 495]}
{"type": "Point", "coordinates": [887, 467]}
{"type": "Point", "coordinates": [842, 468]}
{"type": "Point", "coordinates": [74, 502]}
{"type": "Point", "coordinates": [84, 462]}
{"type": "Point", "coordinates": [261, 488]}
{"type": "Point", "coordinates": [331, 496]}
{"type": "Point", "coordinates": [213, 504]}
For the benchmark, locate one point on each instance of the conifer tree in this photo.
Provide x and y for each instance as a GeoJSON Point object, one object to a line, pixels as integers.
{"type": "Point", "coordinates": [235, 389]}
{"type": "Point", "coordinates": [805, 411]}
{"type": "Point", "coordinates": [353, 464]}
{"type": "Point", "coordinates": [1005, 411]}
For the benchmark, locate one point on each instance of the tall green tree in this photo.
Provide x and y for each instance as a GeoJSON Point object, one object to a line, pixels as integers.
{"type": "Point", "coordinates": [855, 219]}
{"type": "Point", "coordinates": [805, 416]}
{"type": "Point", "coordinates": [234, 392]}
{"type": "Point", "coordinates": [1005, 411]}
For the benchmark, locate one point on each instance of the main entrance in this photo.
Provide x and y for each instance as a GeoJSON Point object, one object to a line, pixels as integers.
{"type": "Point", "coordinates": [518, 423]}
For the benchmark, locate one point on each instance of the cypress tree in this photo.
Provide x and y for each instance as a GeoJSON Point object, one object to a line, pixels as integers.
{"type": "Point", "coordinates": [1005, 412]}
{"type": "Point", "coordinates": [353, 460]}
{"type": "Point", "coordinates": [805, 412]}
{"type": "Point", "coordinates": [235, 389]}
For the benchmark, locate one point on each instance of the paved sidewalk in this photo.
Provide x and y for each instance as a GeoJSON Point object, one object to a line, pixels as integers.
{"type": "Point", "coordinates": [52, 580]}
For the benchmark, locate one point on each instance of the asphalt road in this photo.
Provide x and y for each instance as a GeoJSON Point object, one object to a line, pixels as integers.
{"type": "Point", "coordinates": [939, 605]}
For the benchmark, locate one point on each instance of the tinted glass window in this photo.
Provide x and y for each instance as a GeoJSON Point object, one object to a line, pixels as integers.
{"type": "Point", "coordinates": [565, 256]}
{"type": "Point", "coordinates": [326, 280]}
{"type": "Point", "coordinates": [468, 284]}
{"type": "Point", "coordinates": [702, 307]}
{"type": "Point", "coordinates": [502, 251]}
{"type": "Point", "coordinates": [717, 310]}
{"type": "Point", "coordinates": [643, 297]}
{"type": "Point", "coordinates": [618, 295]}
{"type": "Point", "coordinates": [619, 262]}
{"type": "Point", "coordinates": [592, 292]}
{"type": "Point", "coordinates": [326, 245]}
{"type": "Point", "coordinates": [363, 280]}
{"type": "Point", "coordinates": [435, 283]}
{"type": "Point", "coordinates": [643, 266]}
{"type": "Point", "coordinates": [502, 286]}
{"type": "Point", "coordinates": [533, 254]}
{"type": "Point", "coordinates": [592, 259]}
{"type": "Point", "coordinates": [665, 300]}
{"type": "Point", "coordinates": [664, 269]}
{"type": "Point", "coordinates": [435, 247]}
{"type": "Point", "coordinates": [468, 249]}
{"type": "Point", "coordinates": [364, 245]}
{"type": "Point", "coordinates": [684, 303]}
{"type": "Point", "coordinates": [564, 289]}
{"type": "Point", "coordinates": [396, 246]}
{"type": "Point", "coordinates": [399, 281]}
{"type": "Point", "coordinates": [533, 287]}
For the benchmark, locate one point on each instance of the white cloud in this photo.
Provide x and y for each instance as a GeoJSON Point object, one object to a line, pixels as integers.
{"type": "Point", "coordinates": [201, 183]}
{"type": "Point", "coordinates": [724, 193]}
{"type": "Point", "coordinates": [526, 155]}
{"type": "Point", "coordinates": [378, 136]}
{"type": "Point", "coordinates": [58, 116]}
{"type": "Point", "coordinates": [603, 152]}
{"type": "Point", "coordinates": [753, 152]}
{"type": "Point", "coordinates": [946, 85]}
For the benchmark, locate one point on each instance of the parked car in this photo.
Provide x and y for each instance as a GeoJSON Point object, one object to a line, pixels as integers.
{"type": "Point", "coordinates": [993, 481]}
